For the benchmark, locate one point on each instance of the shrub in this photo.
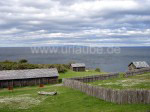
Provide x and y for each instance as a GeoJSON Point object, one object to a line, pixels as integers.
{"type": "Point", "coordinates": [60, 68]}
{"type": "Point", "coordinates": [23, 61]}
{"type": "Point", "coordinates": [97, 70]}
{"type": "Point", "coordinates": [22, 64]}
{"type": "Point", "coordinates": [59, 80]}
{"type": "Point", "coordinates": [7, 61]}
{"type": "Point", "coordinates": [67, 66]}
{"type": "Point", "coordinates": [16, 66]}
{"type": "Point", "coordinates": [7, 65]}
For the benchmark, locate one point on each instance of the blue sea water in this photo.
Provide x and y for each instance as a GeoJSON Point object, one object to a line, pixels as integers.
{"type": "Point", "coordinates": [107, 62]}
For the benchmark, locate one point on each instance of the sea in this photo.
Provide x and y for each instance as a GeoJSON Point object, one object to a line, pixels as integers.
{"type": "Point", "coordinates": [107, 59]}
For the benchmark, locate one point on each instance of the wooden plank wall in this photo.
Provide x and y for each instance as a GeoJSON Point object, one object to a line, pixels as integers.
{"type": "Point", "coordinates": [28, 82]}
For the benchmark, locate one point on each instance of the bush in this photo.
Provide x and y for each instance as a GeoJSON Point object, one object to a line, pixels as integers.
{"type": "Point", "coordinates": [22, 64]}
{"type": "Point", "coordinates": [60, 68]}
{"type": "Point", "coordinates": [7, 65]}
{"type": "Point", "coordinates": [7, 61]}
{"type": "Point", "coordinates": [23, 61]}
{"type": "Point", "coordinates": [59, 80]}
{"type": "Point", "coordinates": [97, 70]}
{"type": "Point", "coordinates": [67, 66]}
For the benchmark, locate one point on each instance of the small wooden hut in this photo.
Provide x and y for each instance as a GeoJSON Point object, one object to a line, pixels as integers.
{"type": "Point", "coordinates": [138, 65]}
{"type": "Point", "coordinates": [78, 67]}
{"type": "Point", "coordinates": [30, 77]}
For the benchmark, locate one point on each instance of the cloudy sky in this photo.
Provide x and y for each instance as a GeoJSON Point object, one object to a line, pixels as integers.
{"type": "Point", "coordinates": [74, 22]}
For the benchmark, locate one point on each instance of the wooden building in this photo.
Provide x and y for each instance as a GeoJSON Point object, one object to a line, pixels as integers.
{"type": "Point", "coordinates": [138, 65]}
{"type": "Point", "coordinates": [30, 77]}
{"type": "Point", "coordinates": [78, 67]}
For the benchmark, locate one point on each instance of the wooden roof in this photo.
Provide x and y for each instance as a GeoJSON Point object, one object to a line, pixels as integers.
{"type": "Point", "coordinates": [27, 74]}
{"type": "Point", "coordinates": [78, 65]}
{"type": "Point", "coordinates": [140, 64]}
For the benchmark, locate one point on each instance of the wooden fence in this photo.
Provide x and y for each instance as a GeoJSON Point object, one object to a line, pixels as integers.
{"type": "Point", "coordinates": [137, 72]}
{"type": "Point", "coordinates": [112, 95]}
{"type": "Point", "coordinates": [93, 78]}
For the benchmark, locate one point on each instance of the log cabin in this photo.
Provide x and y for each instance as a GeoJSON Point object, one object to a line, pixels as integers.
{"type": "Point", "coordinates": [137, 65]}
{"type": "Point", "coordinates": [78, 67]}
{"type": "Point", "coordinates": [30, 77]}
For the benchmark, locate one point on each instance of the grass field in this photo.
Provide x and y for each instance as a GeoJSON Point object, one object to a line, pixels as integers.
{"type": "Point", "coordinates": [68, 100]}
{"type": "Point", "coordinates": [26, 99]}
{"type": "Point", "coordinates": [132, 82]}
{"type": "Point", "coordinates": [71, 73]}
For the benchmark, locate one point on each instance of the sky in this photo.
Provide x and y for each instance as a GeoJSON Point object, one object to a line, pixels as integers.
{"type": "Point", "coordinates": [26, 23]}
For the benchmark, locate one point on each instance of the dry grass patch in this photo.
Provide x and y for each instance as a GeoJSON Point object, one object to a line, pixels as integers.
{"type": "Point", "coordinates": [21, 101]}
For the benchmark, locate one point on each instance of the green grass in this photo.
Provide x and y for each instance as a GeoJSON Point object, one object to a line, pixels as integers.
{"type": "Point", "coordinates": [68, 100]}
{"type": "Point", "coordinates": [70, 74]}
{"type": "Point", "coordinates": [132, 82]}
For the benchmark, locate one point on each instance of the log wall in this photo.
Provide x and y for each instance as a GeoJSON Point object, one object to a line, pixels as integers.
{"type": "Point", "coordinates": [78, 69]}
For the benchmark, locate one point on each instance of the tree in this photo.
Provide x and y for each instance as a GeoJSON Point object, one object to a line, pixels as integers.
{"type": "Point", "coordinates": [97, 70]}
